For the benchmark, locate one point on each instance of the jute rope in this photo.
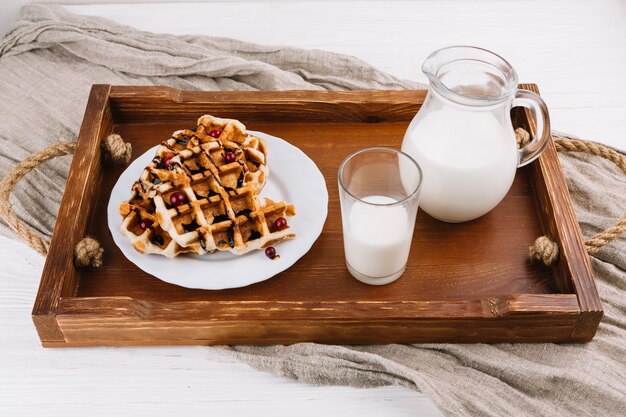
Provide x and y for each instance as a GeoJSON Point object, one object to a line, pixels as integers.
{"type": "Point", "coordinates": [564, 144]}
{"type": "Point", "coordinates": [119, 151]}
{"type": "Point", "coordinates": [88, 252]}
{"type": "Point", "coordinates": [545, 249]}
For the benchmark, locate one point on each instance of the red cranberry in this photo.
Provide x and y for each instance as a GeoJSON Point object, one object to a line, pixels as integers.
{"type": "Point", "coordinates": [280, 223]}
{"type": "Point", "coordinates": [229, 157]}
{"type": "Point", "coordinates": [215, 133]}
{"type": "Point", "coordinates": [177, 198]}
{"type": "Point", "coordinates": [270, 252]}
{"type": "Point", "coordinates": [145, 223]}
{"type": "Point", "coordinates": [167, 160]}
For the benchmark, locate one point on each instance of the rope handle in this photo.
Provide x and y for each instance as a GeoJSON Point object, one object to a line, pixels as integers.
{"type": "Point", "coordinates": [88, 251]}
{"type": "Point", "coordinates": [545, 249]}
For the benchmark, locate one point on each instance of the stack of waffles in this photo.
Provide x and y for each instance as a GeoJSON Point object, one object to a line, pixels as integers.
{"type": "Point", "coordinates": [200, 194]}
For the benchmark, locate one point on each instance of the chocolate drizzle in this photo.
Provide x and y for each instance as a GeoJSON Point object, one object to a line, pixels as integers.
{"type": "Point", "coordinates": [254, 235]}
{"type": "Point", "coordinates": [158, 162]}
{"type": "Point", "coordinates": [190, 227]}
{"type": "Point", "coordinates": [231, 241]}
{"type": "Point", "coordinates": [202, 242]}
{"type": "Point", "coordinates": [140, 185]}
{"type": "Point", "coordinates": [220, 218]}
{"type": "Point", "coordinates": [244, 166]}
{"type": "Point", "coordinates": [244, 212]}
{"type": "Point", "coordinates": [233, 190]}
{"type": "Point", "coordinates": [197, 171]}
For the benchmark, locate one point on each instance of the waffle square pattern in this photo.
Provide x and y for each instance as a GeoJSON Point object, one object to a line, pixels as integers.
{"type": "Point", "coordinates": [200, 192]}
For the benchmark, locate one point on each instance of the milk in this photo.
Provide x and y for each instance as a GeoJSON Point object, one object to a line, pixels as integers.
{"type": "Point", "coordinates": [468, 158]}
{"type": "Point", "coordinates": [377, 240]}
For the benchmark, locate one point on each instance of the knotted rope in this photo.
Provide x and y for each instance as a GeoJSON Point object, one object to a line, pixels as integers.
{"type": "Point", "coordinates": [545, 249]}
{"type": "Point", "coordinates": [88, 251]}
{"type": "Point", "coordinates": [119, 151]}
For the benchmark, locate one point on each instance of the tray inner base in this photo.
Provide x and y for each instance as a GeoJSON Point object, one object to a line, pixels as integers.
{"type": "Point", "coordinates": [483, 258]}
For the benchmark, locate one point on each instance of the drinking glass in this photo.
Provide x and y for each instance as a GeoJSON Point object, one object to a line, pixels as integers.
{"type": "Point", "coordinates": [378, 191]}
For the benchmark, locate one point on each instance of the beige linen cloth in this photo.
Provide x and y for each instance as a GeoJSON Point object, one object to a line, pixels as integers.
{"type": "Point", "coordinates": [51, 58]}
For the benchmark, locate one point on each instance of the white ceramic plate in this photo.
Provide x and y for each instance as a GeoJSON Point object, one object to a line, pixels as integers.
{"type": "Point", "coordinates": [293, 177]}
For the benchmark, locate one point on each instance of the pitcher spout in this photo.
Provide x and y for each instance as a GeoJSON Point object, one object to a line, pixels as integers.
{"type": "Point", "coordinates": [471, 76]}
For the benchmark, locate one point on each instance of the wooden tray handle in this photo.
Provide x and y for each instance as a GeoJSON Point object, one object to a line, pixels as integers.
{"type": "Point", "coordinates": [88, 251]}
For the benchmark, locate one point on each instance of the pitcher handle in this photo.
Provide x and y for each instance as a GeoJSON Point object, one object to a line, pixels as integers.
{"type": "Point", "coordinates": [530, 152]}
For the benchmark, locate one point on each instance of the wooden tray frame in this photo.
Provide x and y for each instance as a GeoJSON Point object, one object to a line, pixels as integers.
{"type": "Point", "coordinates": [64, 319]}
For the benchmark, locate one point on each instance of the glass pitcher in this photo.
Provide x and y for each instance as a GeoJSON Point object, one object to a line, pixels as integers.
{"type": "Point", "coordinates": [462, 136]}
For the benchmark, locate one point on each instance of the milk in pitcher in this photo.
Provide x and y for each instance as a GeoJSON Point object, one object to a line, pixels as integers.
{"type": "Point", "coordinates": [469, 159]}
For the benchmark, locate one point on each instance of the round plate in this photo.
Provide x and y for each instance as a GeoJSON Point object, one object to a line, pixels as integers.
{"type": "Point", "coordinates": [293, 177]}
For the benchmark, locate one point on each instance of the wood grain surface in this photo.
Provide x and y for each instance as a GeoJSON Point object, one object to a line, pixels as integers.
{"type": "Point", "coordinates": [60, 277]}
{"type": "Point", "coordinates": [469, 282]}
{"type": "Point", "coordinates": [573, 271]}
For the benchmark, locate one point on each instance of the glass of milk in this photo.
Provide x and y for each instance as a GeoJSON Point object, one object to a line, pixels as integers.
{"type": "Point", "coordinates": [379, 191]}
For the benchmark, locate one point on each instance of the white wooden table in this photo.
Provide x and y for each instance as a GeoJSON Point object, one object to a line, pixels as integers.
{"type": "Point", "coordinates": [574, 50]}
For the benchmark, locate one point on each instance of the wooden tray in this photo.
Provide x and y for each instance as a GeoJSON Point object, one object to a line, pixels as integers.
{"type": "Point", "coordinates": [470, 282]}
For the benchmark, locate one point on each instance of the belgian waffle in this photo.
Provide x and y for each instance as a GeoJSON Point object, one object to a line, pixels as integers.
{"type": "Point", "coordinates": [151, 238]}
{"type": "Point", "coordinates": [197, 151]}
{"type": "Point", "coordinates": [231, 135]}
{"type": "Point", "coordinates": [220, 208]}
{"type": "Point", "coordinates": [230, 220]}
